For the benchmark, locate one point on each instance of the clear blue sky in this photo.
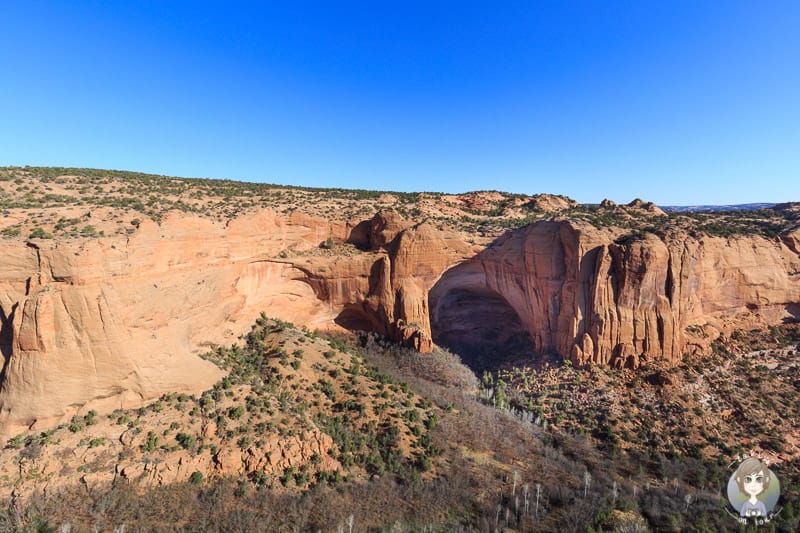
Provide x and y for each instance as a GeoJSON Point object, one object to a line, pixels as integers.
{"type": "Point", "coordinates": [678, 102]}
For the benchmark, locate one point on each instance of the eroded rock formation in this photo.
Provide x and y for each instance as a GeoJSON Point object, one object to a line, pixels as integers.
{"type": "Point", "coordinates": [111, 323]}
{"type": "Point", "coordinates": [579, 293]}
{"type": "Point", "coordinates": [114, 322]}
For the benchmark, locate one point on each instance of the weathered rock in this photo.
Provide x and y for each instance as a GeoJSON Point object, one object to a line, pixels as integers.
{"type": "Point", "coordinates": [550, 203]}
{"type": "Point", "coordinates": [127, 437]}
{"type": "Point", "coordinates": [384, 227]}
{"type": "Point", "coordinates": [647, 207]}
{"type": "Point", "coordinates": [608, 204]}
{"type": "Point", "coordinates": [115, 322]}
{"type": "Point", "coordinates": [792, 239]}
{"type": "Point", "coordinates": [578, 293]}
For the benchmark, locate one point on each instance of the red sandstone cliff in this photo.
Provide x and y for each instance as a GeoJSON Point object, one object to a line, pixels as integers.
{"type": "Point", "coordinates": [114, 322]}
{"type": "Point", "coordinates": [111, 323]}
{"type": "Point", "coordinates": [579, 293]}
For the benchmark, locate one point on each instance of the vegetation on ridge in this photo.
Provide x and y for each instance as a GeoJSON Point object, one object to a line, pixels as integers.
{"type": "Point", "coordinates": [45, 202]}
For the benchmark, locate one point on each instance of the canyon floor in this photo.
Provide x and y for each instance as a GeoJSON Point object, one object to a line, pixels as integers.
{"type": "Point", "coordinates": [318, 425]}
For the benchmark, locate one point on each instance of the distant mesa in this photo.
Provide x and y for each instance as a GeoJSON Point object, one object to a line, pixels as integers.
{"type": "Point", "coordinates": [793, 207]}
{"type": "Point", "coordinates": [728, 207]}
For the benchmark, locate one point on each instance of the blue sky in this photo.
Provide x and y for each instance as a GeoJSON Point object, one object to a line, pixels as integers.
{"type": "Point", "coordinates": [678, 102]}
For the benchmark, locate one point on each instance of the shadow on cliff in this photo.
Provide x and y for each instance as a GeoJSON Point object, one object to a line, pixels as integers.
{"type": "Point", "coordinates": [465, 315]}
{"type": "Point", "coordinates": [6, 338]}
{"type": "Point", "coordinates": [478, 324]}
{"type": "Point", "coordinates": [356, 317]}
{"type": "Point", "coordinates": [794, 310]}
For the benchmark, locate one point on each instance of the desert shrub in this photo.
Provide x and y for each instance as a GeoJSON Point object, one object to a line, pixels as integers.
{"type": "Point", "coordinates": [151, 444]}
{"type": "Point", "coordinates": [39, 233]}
{"type": "Point", "coordinates": [186, 440]}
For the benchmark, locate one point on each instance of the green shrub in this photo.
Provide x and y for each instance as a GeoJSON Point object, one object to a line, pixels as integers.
{"type": "Point", "coordinates": [187, 441]}
{"type": "Point", "coordinates": [77, 424]}
{"type": "Point", "coordinates": [39, 233]}
{"type": "Point", "coordinates": [152, 442]}
{"type": "Point", "coordinates": [235, 413]}
{"type": "Point", "coordinates": [16, 443]}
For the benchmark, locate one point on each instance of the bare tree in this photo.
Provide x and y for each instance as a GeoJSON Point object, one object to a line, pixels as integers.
{"type": "Point", "coordinates": [587, 479]}
{"type": "Point", "coordinates": [525, 491]}
{"type": "Point", "coordinates": [515, 477]}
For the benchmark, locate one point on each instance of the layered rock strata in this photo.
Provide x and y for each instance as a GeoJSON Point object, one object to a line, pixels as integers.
{"type": "Point", "coordinates": [580, 292]}
{"type": "Point", "coordinates": [114, 322]}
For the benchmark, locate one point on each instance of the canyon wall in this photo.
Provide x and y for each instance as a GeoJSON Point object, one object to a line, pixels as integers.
{"type": "Point", "coordinates": [578, 292]}
{"type": "Point", "coordinates": [115, 322]}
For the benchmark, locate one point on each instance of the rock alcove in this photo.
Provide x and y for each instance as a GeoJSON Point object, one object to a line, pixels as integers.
{"type": "Point", "coordinates": [476, 322]}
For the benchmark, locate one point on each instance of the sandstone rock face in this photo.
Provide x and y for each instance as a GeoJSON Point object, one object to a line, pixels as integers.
{"type": "Point", "coordinates": [608, 204]}
{"type": "Point", "coordinates": [579, 293]}
{"type": "Point", "coordinates": [647, 207]}
{"type": "Point", "coordinates": [115, 322]}
{"type": "Point", "coordinates": [386, 291]}
{"type": "Point", "coordinates": [792, 239]}
{"type": "Point", "coordinates": [112, 323]}
{"type": "Point", "coordinates": [551, 203]}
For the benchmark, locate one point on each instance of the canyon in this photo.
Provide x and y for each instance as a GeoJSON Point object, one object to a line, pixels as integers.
{"type": "Point", "coordinates": [116, 321]}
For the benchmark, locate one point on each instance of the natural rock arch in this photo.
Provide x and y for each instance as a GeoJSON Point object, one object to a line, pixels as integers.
{"type": "Point", "coordinates": [475, 321]}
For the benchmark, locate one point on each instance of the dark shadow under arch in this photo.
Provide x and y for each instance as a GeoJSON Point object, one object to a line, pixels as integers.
{"type": "Point", "coordinates": [354, 318]}
{"type": "Point", "coordinates": [479, 325]}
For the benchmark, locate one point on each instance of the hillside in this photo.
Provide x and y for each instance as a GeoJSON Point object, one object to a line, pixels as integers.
{"type": "Point", "coordinates": [461, 462]}
{"type": "Point", "coordinates": [220, 355]}
{"type": "Point", "coordinates": [293, 410]}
